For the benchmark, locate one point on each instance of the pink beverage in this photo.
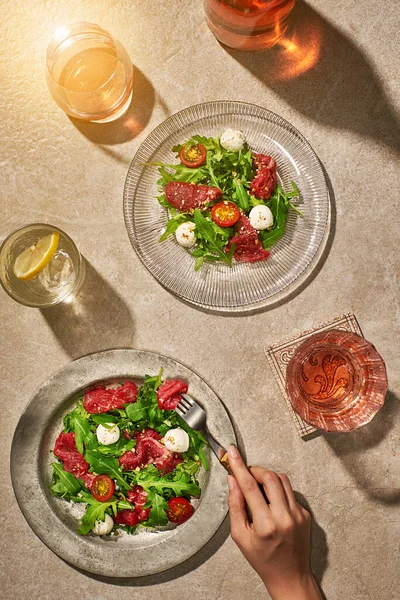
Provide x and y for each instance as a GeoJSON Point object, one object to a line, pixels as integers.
{"type": "Point", "coordinates": [248, 24]}
{"type": "Point", "coordinates": [336, 380]}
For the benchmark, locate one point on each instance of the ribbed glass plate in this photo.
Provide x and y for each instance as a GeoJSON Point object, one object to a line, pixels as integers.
{"type": "Point", "coordinates": [243, 286]}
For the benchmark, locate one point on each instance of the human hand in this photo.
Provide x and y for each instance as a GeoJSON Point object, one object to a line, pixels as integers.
{"type": "Point", "coordinates": [276, 541]}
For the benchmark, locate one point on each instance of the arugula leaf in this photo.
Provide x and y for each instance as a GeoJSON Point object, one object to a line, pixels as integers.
{"type": "Point", "coordinates": [82, 433]}
{"type": "Point", "coordinates": [213, 179]}
{"type": "Point", "coordinates": [208, 143]}
{"type": "Point", "coordinates": [173, 225]}
{"type": "Point", "coordinates": [79, 411]}
{"type": "Point", "coordinates": [104, 464]}
{"type": "Point", "coordinates": [241, 195]}
{"type": "Point", "coordinates": [146, 406]}
{"type": "Point", "coordinates": [103, 419]}
{"type": "Point", "coordinates": [180, 483]}
{"type": "Point", "coordinates": [156, 416]}
{"type": "Point", "coordinates": [157, 516]}
{"type": "Point", "coordinates": [178, 147]}
{"type": "Point", "coordinates": [279, 205]}
{"type": "Point", "coordinates": [294, 192]}
{"type": "Point", "coordinates": [296, 209]}
{"type": "Point", "coordinates": [203, 458]}
{"type": "Point", "coordinates": [198, 262]}
{"type": "Point", "coordinates": [84, 497]}
{"type": "Point", "coordinates": [189, 144]}
{"type": "Point", "coordinates": [64, 483]}
{"type": "Point", "coordinates": [58, 489]}
{"type": "Point", "coordinates": [180, 173]}
{"type": "Point", "coordinates": [197, 442]}
{"type": "Point", "coordinates": [95, 512]}
{"type": "Point", "coordinates": [270, 237]}
{"type": "Point", "coordinates": [124, 505]}
{"type": "Point", "coordinates": [137, 412]}
{"type": "Point", "coordinates": [118, 448]}
{"type": "Point", "coordinates": [154, 381]}
{"type": "Point", "coordinates": [255, 201]}
{"type": "Point", "coordinates": [163, 201]}
{"type": "Point", "coordinates": [145, 411]}
{"type": "Point", "coordinates": [210, 232]}
{"type": "Point", "coordinates": [189, 466]}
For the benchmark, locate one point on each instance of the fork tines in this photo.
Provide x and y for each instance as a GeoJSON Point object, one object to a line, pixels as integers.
{"type": "Point", "coordinates": [185, 404]}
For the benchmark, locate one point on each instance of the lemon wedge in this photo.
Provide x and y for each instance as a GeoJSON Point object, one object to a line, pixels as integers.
{"type": "Point", "coordinates": [34, 259]}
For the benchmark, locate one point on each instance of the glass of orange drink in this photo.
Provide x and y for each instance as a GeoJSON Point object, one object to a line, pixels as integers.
{"type": "Point", "coordinates": [89, 73]}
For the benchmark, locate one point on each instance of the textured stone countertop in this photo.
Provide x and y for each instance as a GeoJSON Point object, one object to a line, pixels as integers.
{"type": "Point", "coordinates": [72, 174]}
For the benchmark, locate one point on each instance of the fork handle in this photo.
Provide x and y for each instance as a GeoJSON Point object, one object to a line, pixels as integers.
{"type": "Point", "coordinates": [218, 450]}
{"type": "Point", "coordinates": [222, 456]}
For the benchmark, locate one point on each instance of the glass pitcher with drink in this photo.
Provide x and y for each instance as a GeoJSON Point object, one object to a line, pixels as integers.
{"type": "Point", "coordinates": [248, 24]}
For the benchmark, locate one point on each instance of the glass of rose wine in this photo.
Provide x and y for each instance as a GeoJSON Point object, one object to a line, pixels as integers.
{"type": "Point", "coordinates": [336, 380]}
{"type": "Point", "coordinates": [89, 73]}
{"type": "Point", "coordinates": [248, 24]}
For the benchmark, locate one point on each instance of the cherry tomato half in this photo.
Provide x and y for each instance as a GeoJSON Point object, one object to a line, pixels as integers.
{"type": "Point", "coordinates": [102, 488]}
{"type": "Point", "coordinates": [225, 214]}
{"type": "Point", "coordinates": [180, 510]}
{"type": "Point", "coordinates": [193, 156]}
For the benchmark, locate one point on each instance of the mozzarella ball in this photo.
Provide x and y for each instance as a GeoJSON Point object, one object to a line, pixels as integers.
{"type": "Point", "coordinates": [185, 234]}
{"type": "Point", "coordinates": [232, 140]}
{"type": "Point", "coordinates": [261, 217]}
{"type": "Point", "coordinates": [103, 527]}
{"type": "Point", "coordinates": [107, 435]}
{"type": "Point", "coordinates": [176, 440]}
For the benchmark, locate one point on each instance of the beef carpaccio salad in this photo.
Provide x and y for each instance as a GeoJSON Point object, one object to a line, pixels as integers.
{"type": "Point", "coordinates": [127, 455]}
{"type": "Point", "coordinates": [223, 200]}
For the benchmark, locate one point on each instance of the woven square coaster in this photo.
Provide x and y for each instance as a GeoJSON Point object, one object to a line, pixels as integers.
{"type": "Point", "coordinates": [280, 354]}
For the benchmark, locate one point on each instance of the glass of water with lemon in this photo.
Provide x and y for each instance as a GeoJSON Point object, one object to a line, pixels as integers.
{"type": "Point", "coordinates": [40, 266]}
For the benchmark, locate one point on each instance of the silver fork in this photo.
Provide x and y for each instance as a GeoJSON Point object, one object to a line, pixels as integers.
{"type": "Point", "coordinates": [196, 418]}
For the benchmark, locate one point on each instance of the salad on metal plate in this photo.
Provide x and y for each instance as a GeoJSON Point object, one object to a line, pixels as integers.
{"type": "Point", "coordinates": [224, 201]}
{"type": "Point", "coordinates": [128, 457]}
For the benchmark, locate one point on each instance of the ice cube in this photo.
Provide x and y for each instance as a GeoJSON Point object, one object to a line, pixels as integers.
{"type": "Point", "coordinates": [58, 273]}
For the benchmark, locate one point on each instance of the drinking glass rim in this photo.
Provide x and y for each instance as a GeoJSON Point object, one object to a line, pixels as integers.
{"type": "Point", "coordinates": [50, 226]}
{"type": "Point", "coordinates": [49, 70]}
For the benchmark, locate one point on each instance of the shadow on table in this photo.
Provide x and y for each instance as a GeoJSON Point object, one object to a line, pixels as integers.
{"type": "Point", "coordinates": [319, 71]}
{"type": "Point", "coordinates": [319, 545]}
{"type": "Point", "coordinates": [131, 124]}
{"type": "Point", "coordinates": [352, 448]}
{"type": "Point", "coordinates": [97, 319]}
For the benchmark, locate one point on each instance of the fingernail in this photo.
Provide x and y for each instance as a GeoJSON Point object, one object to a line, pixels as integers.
{"type": "Point", "coordinates": [231, 482]}
{"type": "Point", "coordinates": [233, 452]}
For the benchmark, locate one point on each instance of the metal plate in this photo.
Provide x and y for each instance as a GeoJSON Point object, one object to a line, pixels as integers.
{"type": "Point", "coordinates": [54, 520]}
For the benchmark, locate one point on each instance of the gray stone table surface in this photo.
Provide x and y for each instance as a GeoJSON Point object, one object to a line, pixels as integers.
{"type": "Point", "coordinates": [341, 91]}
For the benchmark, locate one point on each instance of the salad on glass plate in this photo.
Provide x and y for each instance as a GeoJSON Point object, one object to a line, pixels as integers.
{"type": "Point", "coordinates": [128, 458]}
{"type": "Point", "coordinates": [224, 201]}
{"type": "Point", "coordinates": [223, 174]}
